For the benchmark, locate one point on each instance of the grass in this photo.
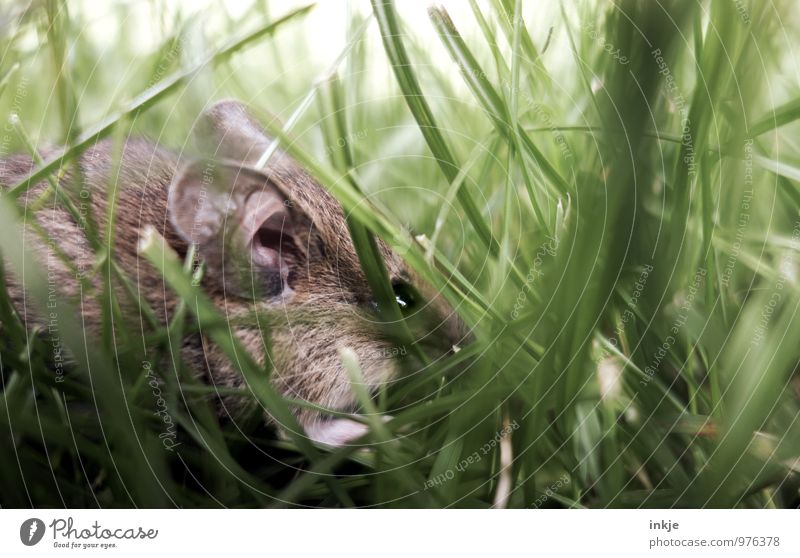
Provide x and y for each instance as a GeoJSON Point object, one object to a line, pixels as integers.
{"type": "Point", "coordinates": [607, 193]}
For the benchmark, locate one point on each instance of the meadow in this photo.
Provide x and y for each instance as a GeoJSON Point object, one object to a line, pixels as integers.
{"type": "Point", "coordinates": [607, 194]}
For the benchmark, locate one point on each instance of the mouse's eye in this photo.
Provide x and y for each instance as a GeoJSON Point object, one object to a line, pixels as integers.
{"type": "Point", "coordinates": [405, 295]}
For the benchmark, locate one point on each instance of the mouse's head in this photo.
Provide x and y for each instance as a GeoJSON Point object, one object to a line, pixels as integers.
{"type": "Point", "coordinates": [276, 240]}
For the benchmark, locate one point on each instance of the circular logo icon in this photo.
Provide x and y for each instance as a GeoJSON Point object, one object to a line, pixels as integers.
{"type": "Point", "coordinates": [31, 531]}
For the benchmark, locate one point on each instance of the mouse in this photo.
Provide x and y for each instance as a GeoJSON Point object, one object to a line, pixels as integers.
{"type": "Point", "coordinates": [270, 239]}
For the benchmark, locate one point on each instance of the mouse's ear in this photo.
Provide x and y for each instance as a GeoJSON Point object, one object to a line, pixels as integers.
{"type": "Point", "coordinates": [227, 130]}
{"type": "Point", "coordinates": [242, 224]}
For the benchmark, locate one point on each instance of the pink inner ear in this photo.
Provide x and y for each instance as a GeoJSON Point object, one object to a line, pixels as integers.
{"type": "Point", "coordinates": [268, 240]}
{"type": "Point", "coordinates": [268, 227]}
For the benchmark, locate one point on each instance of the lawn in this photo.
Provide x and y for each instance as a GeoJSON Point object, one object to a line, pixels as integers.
{"type": "Point", "coordinates": [606, 194]}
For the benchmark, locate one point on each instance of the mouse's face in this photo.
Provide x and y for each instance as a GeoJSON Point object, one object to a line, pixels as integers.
{"type": "Point", "coordinates": [275, 240]}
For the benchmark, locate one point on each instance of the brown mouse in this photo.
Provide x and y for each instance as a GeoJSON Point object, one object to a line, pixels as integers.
{"type": "Point", "coordinates": [271, 239]}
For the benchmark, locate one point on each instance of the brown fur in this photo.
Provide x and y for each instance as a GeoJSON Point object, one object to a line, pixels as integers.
{"type": "Point", "coordinates": [328, 302]}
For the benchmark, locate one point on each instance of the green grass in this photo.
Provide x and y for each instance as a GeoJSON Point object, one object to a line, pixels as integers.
{"type": "Point", "coordinates": [620, 229]}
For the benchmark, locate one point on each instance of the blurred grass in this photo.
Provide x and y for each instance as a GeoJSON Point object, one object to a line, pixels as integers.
{"type": "Point", "coordinates": [619, 227]}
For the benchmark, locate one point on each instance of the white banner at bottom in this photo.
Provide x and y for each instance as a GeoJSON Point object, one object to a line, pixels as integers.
{"type": "Point", "coordinates": [389, 533]}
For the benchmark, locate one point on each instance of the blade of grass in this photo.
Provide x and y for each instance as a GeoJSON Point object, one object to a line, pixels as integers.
{"type": "Point", "coordinates": [777, 117]}
{"type": "Point", "coordinates": [147, 99]}
{"type": "Point", "coordinates": [490, 100]}
{"type": "Point", "coordinates": [489, 147]}
{"type": "Point", "coordinates": [387, 445]}
{"type": "Point", "coordinates": [155, 249]}
{"type": "Point", "coordinates": [309, 98]}
{"type": "Point", "coordinates": [137, 462]}
{"type": "Point", "coordinates": [412, 93]}
{"type": "Point", "coordinates": [372, 264]}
